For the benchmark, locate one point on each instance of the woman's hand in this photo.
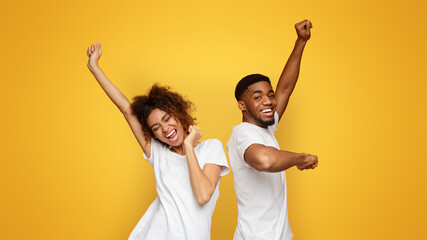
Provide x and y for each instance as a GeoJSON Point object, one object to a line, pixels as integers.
{"type": "Point", "coordinates": [193, 137]}
{"type": "Point", "coordinates": [94, 53]}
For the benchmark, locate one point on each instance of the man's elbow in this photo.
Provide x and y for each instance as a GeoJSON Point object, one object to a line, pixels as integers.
{"type": "Point", "coordinates": [263, 162]}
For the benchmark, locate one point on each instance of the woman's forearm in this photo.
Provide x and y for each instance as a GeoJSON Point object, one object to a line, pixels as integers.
{"type": "Point", "coordinates": [116, 96]}
{"type": "Point", "coordinates": [202, 186]}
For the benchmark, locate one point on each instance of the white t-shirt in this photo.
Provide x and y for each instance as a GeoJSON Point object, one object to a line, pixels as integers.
{"type": "Point", "coordinates": [261, 196]}
{"type": "Point", "coordinates": [175, 213]}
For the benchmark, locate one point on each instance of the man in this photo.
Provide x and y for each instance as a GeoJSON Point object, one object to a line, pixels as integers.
{"type": "Point", "coordinates": [256, 161]}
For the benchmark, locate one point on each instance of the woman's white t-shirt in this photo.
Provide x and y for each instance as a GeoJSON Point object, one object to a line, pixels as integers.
{"type": "Point", "coordinates": [175, 213]}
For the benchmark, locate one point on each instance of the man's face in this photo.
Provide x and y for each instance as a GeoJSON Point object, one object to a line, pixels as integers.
{"type": "Point", "coordinates": [258, 104]}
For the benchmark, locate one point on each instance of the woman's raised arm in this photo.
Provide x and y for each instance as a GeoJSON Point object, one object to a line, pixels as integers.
{"type": "Point", "coordinates": [117, 97]}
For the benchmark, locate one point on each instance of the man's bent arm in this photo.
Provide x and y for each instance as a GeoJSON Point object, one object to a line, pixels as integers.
{"type": "Point", "coordinates": [270, 159]}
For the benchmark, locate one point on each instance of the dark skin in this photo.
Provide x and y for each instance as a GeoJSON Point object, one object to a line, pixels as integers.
{"type": "Point", "coordinates": [259, 102]}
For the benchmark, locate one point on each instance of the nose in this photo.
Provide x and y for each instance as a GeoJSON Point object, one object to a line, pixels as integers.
{"type": "Point", "coordinates": [163, 127]}
{"type": "Point", "coordinates": [266, 100]}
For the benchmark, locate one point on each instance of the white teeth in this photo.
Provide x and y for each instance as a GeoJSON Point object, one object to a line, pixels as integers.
{"type": "Point", "coordinates": [170, 134]}
{"type": "Point", "coordinates": [266, 110]}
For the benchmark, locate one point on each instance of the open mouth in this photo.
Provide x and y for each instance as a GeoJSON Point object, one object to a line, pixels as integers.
{"type": "Point", "coordinates": [172, 135]}
{"type": "Point", "coordinates": [267, 112]}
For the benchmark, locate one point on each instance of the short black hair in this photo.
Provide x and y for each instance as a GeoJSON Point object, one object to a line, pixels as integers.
{"type": "Point", "coordinates": [243, 84]}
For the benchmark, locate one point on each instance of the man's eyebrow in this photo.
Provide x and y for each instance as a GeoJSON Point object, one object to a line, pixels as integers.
{"type": "Point", "coordinates": [259, 91]}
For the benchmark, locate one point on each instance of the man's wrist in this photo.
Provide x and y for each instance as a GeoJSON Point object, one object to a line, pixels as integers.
{"type": "Point", "coordinates": [301, 41]}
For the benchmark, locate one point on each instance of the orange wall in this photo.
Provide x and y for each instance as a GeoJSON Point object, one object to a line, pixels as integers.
{"type": "Point", "coordinates": [71, 169]}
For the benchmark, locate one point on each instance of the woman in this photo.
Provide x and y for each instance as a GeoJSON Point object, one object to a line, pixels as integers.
{"type": "Point", "coordinates": [187, 172]}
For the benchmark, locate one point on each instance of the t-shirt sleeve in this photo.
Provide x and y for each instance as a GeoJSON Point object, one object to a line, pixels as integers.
{"type": "Point", "coordinates": [215, 155]}
{"type": "Point", "coordinates": [245, 138]}
{"type": "Point", "coordinates": [155, 146]}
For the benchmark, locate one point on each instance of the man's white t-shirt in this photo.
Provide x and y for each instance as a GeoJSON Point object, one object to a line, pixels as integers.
{"type": "Point", "coordinates": [175, 213]}
{"type": "Point", "coordinates": [261, 196]}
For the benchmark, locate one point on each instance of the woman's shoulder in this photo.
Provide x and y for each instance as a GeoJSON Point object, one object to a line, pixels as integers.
{"type": "Point", "coordinates": [210, 145]}
{"type": "Point", "coordinates": [158, 146]}
{"type": "Point", "coordinates": [210, 142]}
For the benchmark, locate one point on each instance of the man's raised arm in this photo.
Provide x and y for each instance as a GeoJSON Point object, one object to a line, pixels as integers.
{"type": "Point", "coordinates": [290, 73]}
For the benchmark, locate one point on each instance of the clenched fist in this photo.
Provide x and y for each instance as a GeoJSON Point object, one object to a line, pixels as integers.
{"type": "Point", "coordinates": [309, 162]}
{"type": "Point", "coordinates": [193, 137]}
{"type": "Point", "coordinates": [303, 29]}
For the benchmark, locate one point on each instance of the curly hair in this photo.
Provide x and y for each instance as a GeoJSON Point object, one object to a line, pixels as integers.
{"type": "Point", "coordinates": [162, 98]}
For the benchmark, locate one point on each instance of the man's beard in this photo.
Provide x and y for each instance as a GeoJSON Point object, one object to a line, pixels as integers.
{"type": "Point", "coordinates": [262, 122]}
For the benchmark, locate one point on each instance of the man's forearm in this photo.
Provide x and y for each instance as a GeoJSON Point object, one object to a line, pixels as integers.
{"type": "Point", "coordinates": [283, 160]}
{"type": "Point", "coordinates": [291, 70]}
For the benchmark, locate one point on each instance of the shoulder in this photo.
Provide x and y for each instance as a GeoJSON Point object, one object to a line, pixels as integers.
{"type": "Point", "coordinates": [245, 133]}
{"type": "Point", "coordinates": [248, 130]}
{"type": "Point", "coordinates": [212, 151]}
{"type": "Point", "coordinates": [214, 143]}
{"type": "Point", "coordinates": [157, 144]}
{"type": "Point", "coordinates": [210, 147]}
{"type": "Point", "coordinates": [245, 128]}
{"type": "Point", "coordinates": [158, 147]}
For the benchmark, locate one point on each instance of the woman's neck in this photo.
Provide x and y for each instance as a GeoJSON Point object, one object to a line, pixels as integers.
{"type": "Point", "coordinates": [179, 149]}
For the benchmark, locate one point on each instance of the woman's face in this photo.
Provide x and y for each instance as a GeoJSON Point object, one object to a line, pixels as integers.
{"type": "Point", "coordinates": [166, 128]}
